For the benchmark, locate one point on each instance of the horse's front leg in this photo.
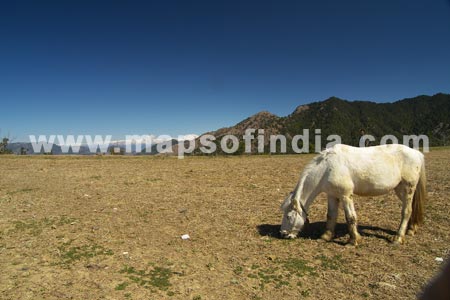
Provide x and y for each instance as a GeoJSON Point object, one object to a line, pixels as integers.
{"type": "Point", "coordinates": [332, 214]}
{"type": "Point", "coordinates": [350, 216]}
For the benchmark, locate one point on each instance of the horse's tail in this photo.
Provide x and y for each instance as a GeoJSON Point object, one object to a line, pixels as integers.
{"type": "Point", "coordinates": [419, 198]}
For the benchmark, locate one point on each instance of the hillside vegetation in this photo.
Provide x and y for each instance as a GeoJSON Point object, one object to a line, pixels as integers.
{"type": "Point", "coordinates": [422, 115]}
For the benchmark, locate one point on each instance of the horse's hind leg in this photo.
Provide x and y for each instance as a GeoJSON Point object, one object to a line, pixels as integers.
{"type": "Point", "coordinates": [350, 216]}
{"type": "Point", "coordinates": [333, 208]}
{"type": "Point", "coordinates": [405, 192]}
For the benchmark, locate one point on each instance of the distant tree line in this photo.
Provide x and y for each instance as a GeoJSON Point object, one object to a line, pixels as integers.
{"type": "Point", "coordinates": [3, 146]}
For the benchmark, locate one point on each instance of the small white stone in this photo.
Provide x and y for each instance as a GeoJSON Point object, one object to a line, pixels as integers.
{"type": "Point", "coordinates": [439, 259]}
{"type": "Point", "coordinates": [185, 236]}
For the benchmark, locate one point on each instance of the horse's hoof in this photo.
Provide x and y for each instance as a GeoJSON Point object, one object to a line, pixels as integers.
{"type": "Point", "coordinates": [396, 243]}
{"type": "Point", "coordinates": [398, 240]}
{"type": "Point", "coordinates": [352, 242]}
{"type": "Point", "coordinates": [411, 232]}
{"type": "Point", "coordinates": [327, 236]}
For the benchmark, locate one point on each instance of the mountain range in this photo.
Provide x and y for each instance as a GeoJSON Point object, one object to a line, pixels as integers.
{"type": "Point", "coordinates": [421, 115]}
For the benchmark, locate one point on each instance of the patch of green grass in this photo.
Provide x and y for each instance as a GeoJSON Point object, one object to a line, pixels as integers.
{"type": "Point", "coordinates": [159, 277]}
{"type": "Point", "coordinates": [278, 273]}
{"type": "Point", "coordinates": [63, 220]}
{"type": "Point", "coordinates": [298, 266]}
{"type": "Point", "coordinates": [272, 275]}
{"type": "Point", "coordinates": [238, 270]}
{"type": "Point", "coordinates": [305, 293]}
{"type": "Point", "coordinates": [128, 270]}
{"type": "Point", "coordinates": [69, 254]}
{"type": "Point", "coordinates": [152, 277]}
{"type": "Point", "coordinates": [35, 227]}
{"type": "Point", "coordinates": [331, 263]}
{"type": "Point", "coordinates": [121, 286]}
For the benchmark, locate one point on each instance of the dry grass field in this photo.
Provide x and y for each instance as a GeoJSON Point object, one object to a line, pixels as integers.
{"type": "Point", "coordinates": [110, 228]}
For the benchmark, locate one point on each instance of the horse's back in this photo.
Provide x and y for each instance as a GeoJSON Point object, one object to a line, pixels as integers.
{"type": "Point", "coordinates": [377, 153]}
{"type": "Point", "coordinates": [373, 170]}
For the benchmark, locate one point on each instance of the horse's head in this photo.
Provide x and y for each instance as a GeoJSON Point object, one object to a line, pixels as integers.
{"type": "Point", "coordinates": [294, 218]}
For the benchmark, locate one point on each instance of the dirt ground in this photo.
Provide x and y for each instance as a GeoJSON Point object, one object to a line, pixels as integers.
{"type": "Point", "coordinates": [110, 228]}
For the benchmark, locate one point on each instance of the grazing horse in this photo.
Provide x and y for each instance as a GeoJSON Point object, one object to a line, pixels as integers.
{"type": "Point", "coordinates": [341, 171]}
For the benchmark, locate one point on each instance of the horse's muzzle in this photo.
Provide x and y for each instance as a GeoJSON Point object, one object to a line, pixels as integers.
{"type": "Point", "coordinates": [286, 235]}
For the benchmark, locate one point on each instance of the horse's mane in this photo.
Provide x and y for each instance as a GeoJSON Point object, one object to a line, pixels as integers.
{"type": "Point", "coordinates": [308, 169]}
{"type": "Point", "coordinates": [314, 163]}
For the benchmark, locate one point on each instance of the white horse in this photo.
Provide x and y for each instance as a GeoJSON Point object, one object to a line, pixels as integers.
{"type": "Point", "coordinates": [342, 171]}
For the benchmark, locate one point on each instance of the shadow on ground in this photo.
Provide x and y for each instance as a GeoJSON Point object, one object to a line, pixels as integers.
{"type": "Point", "coordinates": [314, 231]}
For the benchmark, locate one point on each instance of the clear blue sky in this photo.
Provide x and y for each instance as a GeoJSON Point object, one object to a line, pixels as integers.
{"type": "Point", "coordinates": [178, 67]}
